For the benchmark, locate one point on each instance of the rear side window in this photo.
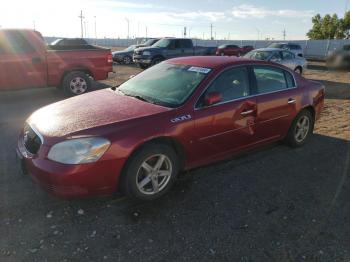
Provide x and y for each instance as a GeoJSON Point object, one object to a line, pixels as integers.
{"type": "Point", "coordinates": [295, 47]}
{"type": "Point", "coordinates": [288, 55]}
{"type": "Point", "coordinates": [18, 43]}
{"type": "Point", "coordinates": [289, 79]}
{"type": "Point", "coordinates": [233, 46]}
{"type": "Point", "coordinates": [231, 84]}
{"type": "Point", "coordinates": [269, 79]}
{"type": "Point", "coordinates": [186, 43]}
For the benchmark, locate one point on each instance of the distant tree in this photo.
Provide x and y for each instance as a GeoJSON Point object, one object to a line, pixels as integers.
{"type": "Point", "coordinates": [330, 27]}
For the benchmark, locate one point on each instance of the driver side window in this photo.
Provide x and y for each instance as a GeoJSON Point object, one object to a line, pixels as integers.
{"type": "Point", "coordinates": [230, 84]}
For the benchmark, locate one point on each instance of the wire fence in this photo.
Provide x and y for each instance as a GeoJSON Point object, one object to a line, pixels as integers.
{"type": "Point", "coordinates": [313, 49]}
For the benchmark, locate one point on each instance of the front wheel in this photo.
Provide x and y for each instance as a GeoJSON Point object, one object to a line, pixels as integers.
{"type": "Point", "coordinates": [156, 60]}
{"type": "Point", "coordinates": [301, 129]}
{"type": "Point", "coordinates": [127, 60]}
{"type": "Point", "coordinates": [150, 172]}
{"type": "Point", "coordinates": [143, 66]}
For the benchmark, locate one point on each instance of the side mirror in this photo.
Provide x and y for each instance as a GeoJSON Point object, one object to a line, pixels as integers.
{"type": "Point", "coordinates": [212, 98]}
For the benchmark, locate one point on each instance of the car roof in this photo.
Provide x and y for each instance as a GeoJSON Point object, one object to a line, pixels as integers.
{"type": "Point", "coordinates": [270, 49]}
{"type": "Point", "coordinates": [213, 62]}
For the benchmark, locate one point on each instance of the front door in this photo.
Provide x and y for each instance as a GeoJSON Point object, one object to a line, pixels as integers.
{"type": "Point", "coordinates": [20, 64]}
{"type": "Point", "coordinates": [228, 125]}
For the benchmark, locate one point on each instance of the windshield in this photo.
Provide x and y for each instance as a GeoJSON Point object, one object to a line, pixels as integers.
{"type": "Point", "coordinates": [275, 45]}
{"type": "Point", "coordinates": [259, 55]}
{"type": "Point", "coordinates": [150, 42]}
{"type": "Point", "coordinates": [130, 48]}
{"type": "Point", "coordinates": [165, 84]}
{"type": "Point", "coordinates": [162, 43]}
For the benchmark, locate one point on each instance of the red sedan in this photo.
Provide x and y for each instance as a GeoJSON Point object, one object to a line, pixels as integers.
{"type": "Point", "coordinates": [233, 50]}
{"type": "Point", "coordinates": [180, 114]}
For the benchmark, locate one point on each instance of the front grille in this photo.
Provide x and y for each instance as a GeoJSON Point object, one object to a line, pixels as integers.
{"type": "Point", "coordinates": [31, 140]}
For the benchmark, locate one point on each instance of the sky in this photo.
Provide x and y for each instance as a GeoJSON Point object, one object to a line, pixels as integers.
{"type": "Point", "coordinates": [231, 19]}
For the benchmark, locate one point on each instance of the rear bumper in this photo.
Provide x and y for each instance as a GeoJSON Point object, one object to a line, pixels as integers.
{"type": "Point", "coordinates": [72, 181]}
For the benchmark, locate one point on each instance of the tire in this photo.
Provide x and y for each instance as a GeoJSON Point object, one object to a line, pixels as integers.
{"type": "Point", "coordinates": [139, 179]}
{"type": "Point", "coordinates": [298, 70]}
{"type": "Point", "coordinates": [156, 60]}
{"type": "Point", "coordinates": [76, 83]}
{"type": "Point", "coordinates": [127, 60]}
{"type": "Point", "coordinates": [295, 140]}
{"type": "Point", "coordinates": [143, 66]}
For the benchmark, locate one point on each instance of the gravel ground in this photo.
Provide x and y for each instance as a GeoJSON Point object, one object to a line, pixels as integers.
{"type": "Point", "coordinates": [272, 204]}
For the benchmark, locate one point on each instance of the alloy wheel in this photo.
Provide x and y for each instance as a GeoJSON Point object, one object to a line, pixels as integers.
{"type": "Point", "coordinates": [154, 174]}
{"type": "Point", "coordinates": [302, 129]}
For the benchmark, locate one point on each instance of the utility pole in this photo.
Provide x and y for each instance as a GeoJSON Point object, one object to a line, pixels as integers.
{"type": "Point", "coordinates": [95, 28]}
{"type": "Point", "coordinates": [185, 33]}
{"type": "Point", "coordinates": [81, 23]}
{"type": "Point", "coordinates": [211, 31]}
{"type": "Point", "coordinates": [284, 34]}
{"type": "Point", "coordinates": [127, 20]}
{"type": "Point", "coordinates": [146, 33]}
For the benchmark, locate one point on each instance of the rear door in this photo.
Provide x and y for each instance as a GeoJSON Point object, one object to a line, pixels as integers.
{"type": "Point", "coordinates": [20, 64]}
{"type": "Point", "coordinates": [277, 101]}
{"type": "Point", "coordinates": [288, 59]}
{"type": "Point", "coordinates": [230, 124]}
{"type": "Point", "coordinates": [187, 47]}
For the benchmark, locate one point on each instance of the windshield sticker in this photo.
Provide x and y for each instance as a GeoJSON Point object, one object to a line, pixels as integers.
{"type": "Point", "coordinates": [202, 70]}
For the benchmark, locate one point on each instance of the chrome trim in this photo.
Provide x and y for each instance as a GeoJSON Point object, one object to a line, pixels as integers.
{"type": "Point", "coordinates": [244, 97]}
{"type": "Point", "coordinates": [293, 101]}
{"type": "Point", "coordinates": [244, 113]}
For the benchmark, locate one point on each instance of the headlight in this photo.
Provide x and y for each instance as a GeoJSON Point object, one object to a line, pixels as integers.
{"type": "Point", "coordinates": [79, 151]}
{"type": "Point", "coordinates": [146, 53]}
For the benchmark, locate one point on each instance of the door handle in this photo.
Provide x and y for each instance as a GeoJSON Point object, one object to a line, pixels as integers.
{"type": "Point", "coordinates": [247, 112]}
{"type": "Point", "coordinates": [291, 101]}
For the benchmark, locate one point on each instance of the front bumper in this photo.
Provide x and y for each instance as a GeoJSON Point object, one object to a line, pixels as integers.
{"type": "Point", "coordinates": [140, 59]}
{"type": "Point", "coordinates": [70, 181]}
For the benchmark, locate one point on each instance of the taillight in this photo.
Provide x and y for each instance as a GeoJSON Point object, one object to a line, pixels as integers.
{"type": "Point", "coordinates": [110, 59]}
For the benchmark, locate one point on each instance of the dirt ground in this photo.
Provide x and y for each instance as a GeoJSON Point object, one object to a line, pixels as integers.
{"type": "Point", "coordinates": [273, 204]}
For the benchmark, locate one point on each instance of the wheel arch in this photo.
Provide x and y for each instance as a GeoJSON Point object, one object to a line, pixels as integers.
{"type": "Point", "coordinates": [170, 141]}
{"type": "Point", "coordinates": [84, 70]}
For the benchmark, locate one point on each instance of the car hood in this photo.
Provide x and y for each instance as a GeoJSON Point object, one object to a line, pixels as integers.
{"type": "Point", "coordinates": [95, 109]}
{"type": "Point", "coordinates": [122, 52]}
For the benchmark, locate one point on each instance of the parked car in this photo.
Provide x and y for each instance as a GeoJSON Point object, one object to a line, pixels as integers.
{"type": "Point", "coordinates": [233, 50]}
{"type": "Point", "coordinates": [124, 56]}
{"type": "Point", "coordinates": [280, 56]}
{"type": "Point", "coordinates": [26, 61]}
{"type": "Point", "coordinates": [136, 139]}
{"type": "Point", "coordinates": [70, 41]}
{"type": "Point", "coordinates": [148, 42]}
{"type": "Point", "coordinates": [168, 48]}
{"type": "Point", "coordinates": [339, 59]}
{"type": "Point", "coordinates": [294, 48]}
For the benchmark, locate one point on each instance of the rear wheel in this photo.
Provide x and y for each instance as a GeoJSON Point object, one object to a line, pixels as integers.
{"type": "Point", "coordinates": [76, 83]}
{"type": "Point", "coordinates": [150, 172]}
{"type": "Point", "coordinates": [301, 129]}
